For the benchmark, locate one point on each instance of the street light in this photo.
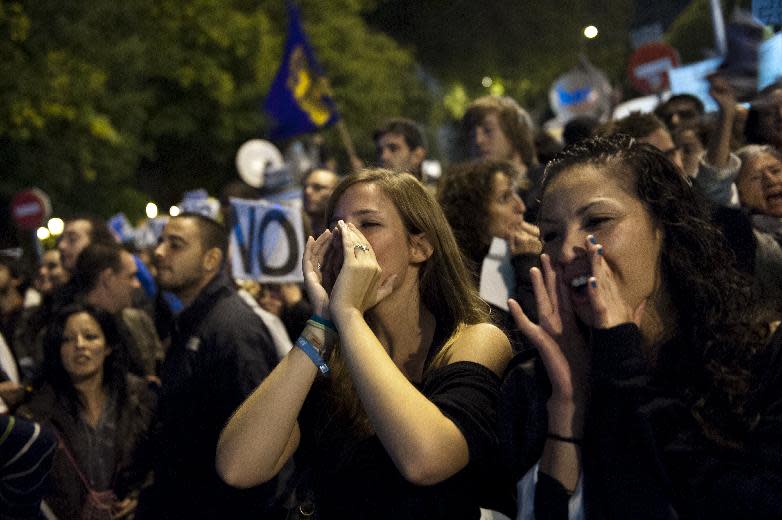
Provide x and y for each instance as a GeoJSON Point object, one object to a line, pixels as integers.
{"type": "Point", "coordinates": [151, 210]}
{"type": "Point", "coordinates": [486, 81]}
{"type": "Point", "coordinates": [55, 225]}
{"type": "Point", "coordinates": [173, 211]}
{"type": "Point", "coordinates": [42, 233]}
{"type": "Point", "coordinates": [590, 31]}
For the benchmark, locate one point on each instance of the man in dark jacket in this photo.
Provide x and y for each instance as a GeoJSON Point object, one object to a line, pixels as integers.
{"type": "Point", "coordinates": [220, 352]}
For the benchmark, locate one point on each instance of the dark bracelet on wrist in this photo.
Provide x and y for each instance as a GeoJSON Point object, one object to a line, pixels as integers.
{"type": "Point", "coordinates": [560, 438]}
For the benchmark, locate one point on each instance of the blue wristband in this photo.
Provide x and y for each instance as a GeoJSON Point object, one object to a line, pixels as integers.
{"type": "Point", "coordinates": [323, 321]}
{"type": "Point", "coordinates": [313, 354]}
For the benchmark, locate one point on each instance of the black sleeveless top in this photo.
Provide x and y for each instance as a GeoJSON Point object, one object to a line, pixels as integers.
{"type": "Point", "coordinates": [356, 478]}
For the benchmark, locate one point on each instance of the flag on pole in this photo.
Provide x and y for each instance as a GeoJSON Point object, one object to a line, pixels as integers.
{"type": "Point", "coordinates": [299, 100]}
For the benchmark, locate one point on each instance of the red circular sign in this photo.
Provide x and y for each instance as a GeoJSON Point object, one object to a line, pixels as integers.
{"type": "Point", "coordinates": [30, 208]}
{"type": "Point", "coordinates": [648, 67]}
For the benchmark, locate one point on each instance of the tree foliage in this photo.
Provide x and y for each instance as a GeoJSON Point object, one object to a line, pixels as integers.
{"type": "Point", "coordinates": [104, 103]}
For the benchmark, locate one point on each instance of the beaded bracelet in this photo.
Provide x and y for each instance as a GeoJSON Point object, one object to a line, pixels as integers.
{"type": "Point", "coordinates": [571, 440]}
{"type": "Point", "coordinates": [313, 354]}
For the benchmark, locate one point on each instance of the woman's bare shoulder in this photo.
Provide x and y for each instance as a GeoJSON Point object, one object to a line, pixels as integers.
{"type": "Point", "coordinates": [481, 343]}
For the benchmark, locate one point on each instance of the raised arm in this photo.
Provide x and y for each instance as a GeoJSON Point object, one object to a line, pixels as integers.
{"type": "Point", "coordinates": [263, 433]}
{"type": "Point", "coordinates": [718, 149]}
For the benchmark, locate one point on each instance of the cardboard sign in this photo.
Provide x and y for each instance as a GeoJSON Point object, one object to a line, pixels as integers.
{"type": "Point", "coordinates": [497, 275]}
{"type": "Point", "coordinates": [267, 241]}
{"type": "Point", "coordinates": [768, 11]}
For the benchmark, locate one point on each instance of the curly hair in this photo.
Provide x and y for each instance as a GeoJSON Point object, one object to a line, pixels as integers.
{"type": "Point", "coordinates": [464, 193]}
{"type": "Point", "coordinates": [114, 367]}
{"type": "Point", "coordinates": [713, 310]}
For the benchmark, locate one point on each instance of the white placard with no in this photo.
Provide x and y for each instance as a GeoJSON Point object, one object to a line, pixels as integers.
{"type": "Point", "coordinates": [267, 241]}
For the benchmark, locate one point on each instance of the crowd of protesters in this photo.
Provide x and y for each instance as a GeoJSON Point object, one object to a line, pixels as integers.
{"type": "Point", "coordinates": [634, 372]}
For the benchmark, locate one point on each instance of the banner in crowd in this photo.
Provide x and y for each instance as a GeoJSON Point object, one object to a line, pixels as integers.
{"type": "Point", "coordinates": [299, 100]}
{"type": "Point", "coordinates": [267, 241]}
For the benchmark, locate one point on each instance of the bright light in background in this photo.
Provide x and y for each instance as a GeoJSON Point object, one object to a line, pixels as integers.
{"type": "Point", "coordinates": [151, 210]}
{"type": "Point", "coordinates": [590, 31]}
{"type": "Point", "coordinates": [42, 233]}
{"type": "Point", "coordinates": [173, 211]}
{"type": "Point", "coordinates": [486, 81]}
{"type": "Point", "coordinates": [55, 225]}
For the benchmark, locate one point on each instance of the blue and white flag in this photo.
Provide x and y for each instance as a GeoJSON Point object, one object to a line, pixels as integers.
{"type": "Point", "coordinates": [299, 100]}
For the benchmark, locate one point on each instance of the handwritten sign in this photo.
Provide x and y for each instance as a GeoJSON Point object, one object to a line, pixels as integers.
{"type": "Point", "coordinates": [267, 241]}
{"type": "Point", "coordinates": [768, 11]}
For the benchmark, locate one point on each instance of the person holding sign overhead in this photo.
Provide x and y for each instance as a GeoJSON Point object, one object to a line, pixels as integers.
{"type": "Point", "coordinates": [389, 401]}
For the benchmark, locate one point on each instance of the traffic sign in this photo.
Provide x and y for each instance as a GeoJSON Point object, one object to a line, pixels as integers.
{"type": "Point", "coordinates": [648, 67]}
{"type": "Point", "coordinates": [30, 208]}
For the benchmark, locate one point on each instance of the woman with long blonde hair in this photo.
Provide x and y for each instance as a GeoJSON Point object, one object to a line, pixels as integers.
{"type": "Point", "coordinates": [404, 424]}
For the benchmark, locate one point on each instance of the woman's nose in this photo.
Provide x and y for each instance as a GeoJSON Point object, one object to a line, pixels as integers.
{"type": "Point", "coordinates": [570, 248]}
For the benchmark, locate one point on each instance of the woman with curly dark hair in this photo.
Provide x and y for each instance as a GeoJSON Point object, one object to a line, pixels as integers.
{"type": "Point", "coordinates": [100, 414]}
{"type": "Point", "coordinates": [662, 395]}
{"type": "Point", "coordinates": [481, 202]}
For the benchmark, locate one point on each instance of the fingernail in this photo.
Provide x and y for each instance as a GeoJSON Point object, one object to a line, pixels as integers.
{"type": "Point", "coordinates": [592, 239]}
{"type": "Point", "coordinates": [593, 282]}
{"type": "Point", "coordinates": [600, 250]}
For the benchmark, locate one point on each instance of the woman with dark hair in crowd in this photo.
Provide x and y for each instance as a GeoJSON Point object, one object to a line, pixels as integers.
{"type": "Point", "coordinates": [481, 202]}
{"type": "Point", "coordinates": [403, 426]}
{"type": "Point", "coordinates": [664, 399]}
{"type": "Point", "coordinates": [99, 412]}
{"type": "Point", "coordinates": [759, 186]}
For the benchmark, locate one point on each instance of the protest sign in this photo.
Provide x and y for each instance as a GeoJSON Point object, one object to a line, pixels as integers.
{"type": "Point", "coordinates": [267, 241]}
{"type": "Point", "coordinates": [770, 61]}
{"type": "Point", "coordinates": [497, 276]}
{"type": "Point", "coordinates": [691, 79]}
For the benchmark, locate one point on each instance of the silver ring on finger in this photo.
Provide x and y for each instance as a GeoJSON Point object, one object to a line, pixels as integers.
{"type": "Point", "coordinates": [360, 247]}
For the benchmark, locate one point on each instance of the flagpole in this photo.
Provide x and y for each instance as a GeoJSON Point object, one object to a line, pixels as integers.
{"type": "Point", "coordinates": [347, 142]}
